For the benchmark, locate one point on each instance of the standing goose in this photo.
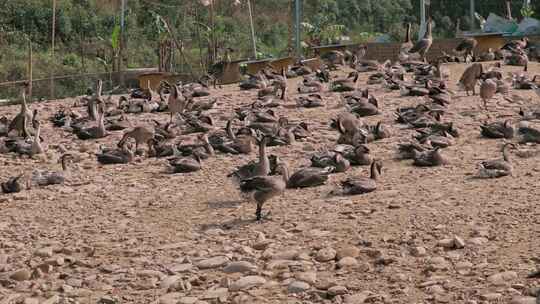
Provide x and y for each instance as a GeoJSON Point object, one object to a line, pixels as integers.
{"type": "Point", "coordinates": [498, 129]}
{"type": "Point", "coordinates": [94, 101]}
{"type": "Point", "coordinates": [470, 76]}
{"type": "Point", "coordinates": [423, 45]}
{"type": "Point", "coordinates": [362, 185]}
{"type": "Point", "coordinates": [255, 168]}
{"type": "Point", "coordinates": [176, 102]}
{"type": "Point", "coordinates": [20, 121]}
{"type": "Point", "coordinates": [488, 88]}
{"type": "Point", "coordinates": [36, 147]}
{"type": "Point", "coordinates": [498, 167]}
{"type": "Point", "coordinates": [142, 135]}
{"type": "Point", "coordinates": [407, 45]}
{"type": "Point", "coordinates": [263, 188]}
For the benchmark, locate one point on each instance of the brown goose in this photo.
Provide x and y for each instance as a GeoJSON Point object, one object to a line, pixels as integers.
{"type": "Point", "coordinates": [407, 45]}
{"type": "Point", "coordinates": [142, 135]}
{"type": "Point", "coordinates": [203, 149]}
{"type": "Point", "coordinates": [45, 178]}
{"type": "Point", "coordinates": [122, 155]}
{"type": "Point", "coordinates": [12, 185]}
{"type": "Point", "coordinates": [362, 185]}
{"type": "Point", "coordinates": [345, 84]}
{"type": "Point", "coordinates": [498, 167]}
{"type": "Point", "coordinates": [308, 177]}
{"type": "Point", "coordinates": [176, 101]}
{"type": "Point", "coordinates": [233, 143]}
{"type": "Point", "coordinates": [18, 123]}
{"type": "Point", "coordinates": [37, 147]}
{"type": "Point", "coordinates": [488, 88]}
{"type": "Point", "coordinates": [357, 155]}
{"type": "Point", "coordinates": [186, 164]}
{"type": "Point", "coordinates": [466, 46]}
{"type": "Point", "coordinates": [258, 168]}
{"type": "Point", "coordinates": [262, 188]}
{"type": "Point", "coordinates": [310, 101]}
{"type": "Point", "coordinates": [429, 158]}
{"type": "Point", "coordinates": [423, 45]}
{"type": "Point", "coordinates": [93, 102]}
{"type": "Point", "coordinates": [498, 129]}
{"type": "Point", "coordinates": [470, 76]}
{"type": "Point", "coordinates": [98, 131]}
{"type": "Point", "coordinates": [409, 150]}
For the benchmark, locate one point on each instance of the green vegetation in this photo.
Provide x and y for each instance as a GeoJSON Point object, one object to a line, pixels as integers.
{"type": "Point", "coordinates": [88, 31]}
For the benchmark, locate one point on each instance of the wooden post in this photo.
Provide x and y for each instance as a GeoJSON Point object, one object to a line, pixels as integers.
{"type": "Point", "coordinates": [53, 36]}
{"type": "Point", "coordinates": [298, 30]}
{"type": "Point", "coordinates": [472, 10]}
{"type": "Point", "coordinates": [253, 40]}
{"type": "Point", "coordinates": [122, 42]}
{"type": "Point", "coordinates": [30, 71]}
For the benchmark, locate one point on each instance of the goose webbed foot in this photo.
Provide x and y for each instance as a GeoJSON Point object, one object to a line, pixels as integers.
{"type": "Point", "coordinates": [260, 217]}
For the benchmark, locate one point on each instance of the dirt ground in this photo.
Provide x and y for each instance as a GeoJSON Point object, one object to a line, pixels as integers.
{"type": "Point", "coordinates": [135, 234]}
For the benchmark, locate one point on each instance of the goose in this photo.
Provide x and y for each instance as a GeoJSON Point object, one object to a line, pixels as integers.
{"type": "Point", "coordinates": [262, 188]}
{"type": "Point", "coordinates": [176, 101]}
{"type": "Point", "coordinates": [186, 164]}
{"type": "Point", "coordinates": [18, 123]}
{"type": "Point", "coordinates": [345, 84]}
{"type": "Point", "coordinates": [488, 88]}
{"type": "Point", "coordinates": [498, 167]}
{"type": "Point", "coordinates": [199, 122]}
{"type": "Point", "coordinates": [308, 177]}
{"type": "Point", "coordinates": [45, 178]}
{"type": "Point", "coordinates": [488, 56]}
{"type": "Point", "coordinates": [165, 130]}
{"type": "Point", "coordinates": [280, 82]}
{"type": "Point", "coordinates": [301, 131]}
{"type": "Point", "coordinates": [334, 58]}
{"type": "Point", "coordinates": [362, 185]}
{"type": "Point", "coordinates": [437, 139]}
{"type": "Point", "coordinates": [203, 149]}
{"type": "Point", "coordinates": [310, 88]}
{"type": "Point", "coordinates": [142, 135]}
{"type": "Point", "coordinates": [357, 155]}
{"type": "Point", "coordinates": [37, 147]}
{"type": "Point", "coordinates": [423, 45]}
{"type": "Point", "coordinates": [519, 44]}
{"type": "Point", "coordinates": [470, 76]}
{"type": "Point", "coordinates": [93, 102]}
{"type": "Point", "coordinates": [252, 169]}
{"type": "Point", "coordinates": [407, 45]}
{"type": "Point", "coordinates": [529, 134]}
{"type": "Point", "coordinates": [12, 185]}
{"type": "Point", "coordinates": [466, 46]}
{"type": "Point", "coordinates": [122, 155]}
{"type": "Point", "coordinates": [498, 129]}
{"type": "Point", "coordinates": [429, 158]}
{"type": "Point", "coordinates": [327, 159]}
{"type": "Point", "coordinates": [347, 123]}
{"type": "Point", "coordinates": [95, 132]}
{"type": "Point", "coordinates": [232, 143]}
{"type": "Point", "coordinates": [409, 150]}
{"type": "Point", "coordinates": [310, 101]}
{"type": "Point", "coordinates": [117, 124]}
{"type": "Point", "coordinates": [202, 105]}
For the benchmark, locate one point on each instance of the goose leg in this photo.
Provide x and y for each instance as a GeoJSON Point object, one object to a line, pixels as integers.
{"type": "Point", "coordinates": [258, 212]}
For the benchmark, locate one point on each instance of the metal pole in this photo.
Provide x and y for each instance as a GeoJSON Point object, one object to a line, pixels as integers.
{"type": "Point", "coordinates": [53, 34]}
{"type": "Point", "coordinates": [297, 21]}
{"type": "Point", "coordinates": [472, 8]}
{"type": "Point", "coordinates": [253, 41]}
{"type": "Point", "coordinates": [122, 41]}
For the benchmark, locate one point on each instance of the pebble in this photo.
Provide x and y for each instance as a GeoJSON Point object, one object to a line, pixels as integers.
{"type": "Point", "coordinates": [502, 278]}
{"type": "Point", "coordinates": [477, 241]}
{"type": "Point", "coordinates": [169, 281]}
{"type": "Point", "coordinates": [337, 290]}
{"type": "Point", "coordinates": [240, 266]}
{"type": "Point", "coordinates": [358, 298]}
{"type": "Point", "coordinates": [308, 277]}
{"type": "Point", "coordinates": [21, 275]}
{"type": "Point", "coordinates": [46, 252]}
{"type": "Point", "coordinates": [185, 267]}
{"type": "Point", "coordinates": [171, 298]}
{"type": "Point", "coordinates": [298, 287]}
{"type": "Point", "coordinates": [492, 296]}
{"type": "Point", "coordinates": [219, 293]}
{"type": "Point", "coordinates": [214, 262]}
{"type": "Point", "coordinates": [247, 282]}
{"type": "Point", "coordinates": [31, 301]}
{"type": "Point", "coordinates": [418, 251]}
{"type": "Point", "coordinates": [325, 255]}
{"type": "Point", "coordinates": [349, 251]}
{"type": "Point", "coordinates": [187, 300]}
{"type": "Point", "coordinates": [459, 243]}
{"type": "Point", "coordinates": [286, 255]}
{"type": "Point", "coordinates": [56, 299]}
{"type": "Point", "coordinates": [524, 300]}
{"type": "Point", "coordinates": [347, 262]}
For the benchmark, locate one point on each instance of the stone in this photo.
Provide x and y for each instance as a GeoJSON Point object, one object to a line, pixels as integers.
{"type": "Point", "coordinates": [247, 282]}
{"type": "Point", "coordinates": [188, 300]}
{"type": "Point", "coordinates": [358, 298]}
{"type": "Point", "coordinates": [477, 241]}
{"type": "Point", "coordinates": [218, 293]}
{"type": "Point", "coordinates": [446, 243]}
{"type": "Point", "coordinates": [459, 243]}
{"type": "Point", "coordinates": [214, 262]}
{"type": "Point", "coordinates": [169, 281]}
{"type": "Point", "coordinates": [524, 300]}
{"type": "Point", "coordinates": [56, 299]}
{"type": "Point", "coordinates": [240, 266]}
{"type": "Point", "coordinates": [325, 255]}
{"type": "Point", "coordinates": [31, 301]}
{"type": "Point", "coordinates": [347, 262]}
{"type": "Point", "coordinates": [171, 298]}
{"type": "Point", "coordinates": [21, 275]}
{"type": "Point", "coordinates": [502, 278]}
{"type": "Point", "coordinates": [309, 277]}
{"type": "Point", "coordinates": [298, 287]}
{"type": "Point", "coordinates": [349, 251]}
{"type": "Point", "coordinates": [185, 267]}
{"type": "Point", "coordinates": [46, 252]}
{"type": "Point", "coordinates": [286, 255]}
{"type": "Point", "coordinates": [337, 290]}
{"type": "Point", "coordinates": [418, 251]}
{"type": "Point", "coordinates": [493, 296]}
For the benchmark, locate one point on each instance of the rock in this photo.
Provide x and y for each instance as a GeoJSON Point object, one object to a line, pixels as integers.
{"type": "Point", "coordinates": [418, 251]}
{"type": "Point", "coordinates": [337, 290]}
{"type": "Point", "coordinates": [347, 262]}
{"type": "Point", "coordinates": [477, 241]}
{"type": "Point", "coordinates": [171, 298]}
{"type": "Point", "coordinates": [148, 273]}
{"type": "Point", "coordinates": [309, 277]}
{"type": "Point", "coordinates": [298, 287]}
{"type": "Point", "coordinates": [46, 252]}
{"type": "Point", "coordinates": [74, 282]}
{"type": "Point", "coordinates": [56, 299]}
{"type": "Point", "coordinates": [463, 268]}
{"type": "Point", "coordinates": [349, 251]}
{"type": "Point", "coordinates": [502, 278]}
{"type": "Point", "coordinates": [214, 262]}
{"type": "Point", "coordinates": [21, 275]}
{"type": "Point", "coordinates": [169, 281]}
{"type": "Point", "coordinates": [31, 301]}
{"type": "Point", "coordinates": [493, 296]}
{"type": "Point", "coordinates": [240, 266]}
{"type": "Point", "coordinates": [325, 255]}
{"type": "Point", "coordinates": [188, 300]}
{"type": "Point", "coordinates": [219, 293]}
{"type": "Point", "coordinates": [286, 255]}
{"type": "Point", "coordinates": [185, 267]}
{"type": "Point", "coordinates": [524, 300]}
{"type": "Point", "coordinates": [459, 243]}
{"type": "Point", "coordinates": [446, 243]}
{"type": "Point", "coordinates": [358, 298]}
{"type": "Point", "coordinates": [247, 282]}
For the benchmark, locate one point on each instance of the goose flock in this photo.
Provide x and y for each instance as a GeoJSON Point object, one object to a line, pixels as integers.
{"type": "Point", "coordinates": [255, 128]}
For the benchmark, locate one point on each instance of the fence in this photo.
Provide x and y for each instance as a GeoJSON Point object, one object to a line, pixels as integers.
{"type": "Point", "coordinates": [186, 36]}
